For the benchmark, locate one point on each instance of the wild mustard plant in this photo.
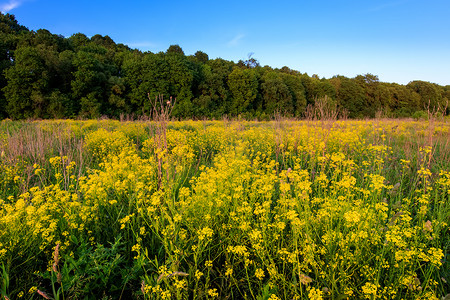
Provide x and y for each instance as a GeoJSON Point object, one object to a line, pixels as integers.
{"type": "Point", "coordinates": [286, 210]}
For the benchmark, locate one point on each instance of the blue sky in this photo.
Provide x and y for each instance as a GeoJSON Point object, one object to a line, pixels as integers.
{"type": "Point", "coordinates": [398, 40]}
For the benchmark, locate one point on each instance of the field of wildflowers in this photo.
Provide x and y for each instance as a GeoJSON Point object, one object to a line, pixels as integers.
{"type": "Point", "coordinates": [225, 209]}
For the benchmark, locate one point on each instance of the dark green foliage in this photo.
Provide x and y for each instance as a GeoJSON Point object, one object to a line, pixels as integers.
{"type": "Point", "coordinates": [43, 75]}
{"type": "Point", "coordinates": [297, 90]}
{"type": "Point", "coordinates": [276, 95]}
{"type": "Point", "coordinates": [90, 80]}
{"type": "Point", "coordinates": [201, 57]}
{"type": "Point", "coordinates": [181, 78]}
{"type": "Point", "coordinates": [104, 41]}
{"type": "Point", "coordinates": [28, 82]}
{"type": "Point", "coordinates": [10, 32]}
{"type": "Point", "coordinates": [404, 100]}
{"type": "Point", "coordinates": [78, 40]}
{"type": "Point", "coordinates": [146, 76]}
{"type": "Point", "coordinates": [175, 49]}
{"type": "Point", "coordinates": [351, 97]}
{"type": "Point", "coordinates": [93, 272]}
{"type": "Point", "coordinates": [9, 24]}
{"type": "Point", "coordinates": [243, 85]}
{"type": "Point", "coordinates": [211, 93]}
{"type": "Point", "coordinates": [316, 88]}
{"type": "Point", "coordinates": [430, 93]}
{"type": "Point", "coordinates": [370, 85]}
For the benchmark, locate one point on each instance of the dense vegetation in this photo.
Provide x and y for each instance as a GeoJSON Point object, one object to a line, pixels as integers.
{"type": "Point", "coordinates": [354, 209]}
{"type": "Point", "coordinates": [43, 75]}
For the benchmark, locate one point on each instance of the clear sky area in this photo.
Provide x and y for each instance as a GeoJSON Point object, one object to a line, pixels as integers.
{"type": "Point", "coordinates": [400, 40]}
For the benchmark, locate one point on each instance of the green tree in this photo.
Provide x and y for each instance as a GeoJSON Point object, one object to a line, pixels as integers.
{"type": "Point", "coordinates": [90, 82]}
{"type": "Point", "coordinates": [370, 84]}
{"type": "Point", "coordinates": [316, 88]}
{"type": "Point", "coordinates": [276, 94]}
{"type": "Point", "coordinates": [40, 73]}
{"type": "Point", "coordinates": [384, 98]}
{"type": "Point", "coordinates": [213, 96]}
{"type": "Point", "coordinates": [297, 90]}
{"type": "Point", "coordinates": [175, 49]}
{"type": "Point", "coordinates": [404, 101]}
{"type": "Point", "coordinates": [201, 57]}
{"type": "Point", "coordinates": [59, 105]}
{"type": "Point", "coordinates": [202, 102]}
{"type": "Point", "coordinates": [145, 75]}
{"type": "Point", "coordinates": [243, 84]}
{"type": "Point", "coordinates": [446, 98]}
{"type": "Point", "coordinates": [249, 63]}
{"type": "Point", "coordinates": [104, 41]}
{"type": "Point", "coordinates": [45, 38]}
{"type": "Point", "coordinates": [9, 24]}
{"type": "Point", "coordinates": [150, 75]}
{"type": "Point", "coordinates": [430, 94]}
{"type": "Point", "coordinates": [181, 79]}
{"type": "Point", "coordinates": [27, 83]}
{"type": "Point", "coordinates": [78, 41]}
{"type": "Point", "coordinates": [287, 70]}
{"type": "Point", "coordinates": [98, 78]}
{"type": "Point", "coordinates": [10, 32]}
{"type": "Point", "coordinates": [117, 103]}
{"type": "Point", "coordinates": [351, 96]}
{"type": "Point", "coordinates": [43, 75]}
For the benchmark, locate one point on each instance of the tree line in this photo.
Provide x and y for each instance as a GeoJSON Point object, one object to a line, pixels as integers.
{"type": "Point", "coordinates": [44, 75]}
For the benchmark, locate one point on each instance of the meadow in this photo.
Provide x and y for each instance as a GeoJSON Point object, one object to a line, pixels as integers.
{"type": "Point", "coordinates": [312, 209]}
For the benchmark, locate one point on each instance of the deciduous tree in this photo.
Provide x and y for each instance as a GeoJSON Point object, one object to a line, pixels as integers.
{"type": "Point", "coordinates": [243, 85]}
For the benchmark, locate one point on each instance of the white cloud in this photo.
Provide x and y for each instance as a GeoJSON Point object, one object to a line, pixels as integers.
{"type": "Point", "coordinates": [235, 41]}
{"type": "Point", "coordinates": [7, 7]}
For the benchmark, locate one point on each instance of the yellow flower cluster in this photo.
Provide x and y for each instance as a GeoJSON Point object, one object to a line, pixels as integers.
{"type": "Point", "coordinates": [289, 209]}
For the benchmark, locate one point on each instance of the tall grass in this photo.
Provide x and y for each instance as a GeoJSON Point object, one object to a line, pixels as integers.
{"type": "Point", "coordinates": [316, 209]}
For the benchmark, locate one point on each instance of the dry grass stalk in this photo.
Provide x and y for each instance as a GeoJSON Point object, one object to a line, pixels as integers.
{"type": "Point", "coordinates": [305, 279]}
{"type": "Point", "coordinates": [324, 109]}
{"type": "Point", "coordinates": [143, 287]}
{"type": "Point", "coordinates": [161, 116]}
{"type": "Point", "coordinates": [434, 114]}
{"type": "Point", "coordinates": [43, 294]}
{"type": "Point", "coordinates": [176, 273]}
{"type": "Point", "coordinates": [56, 262]}
{"type": "Point", "coordinates": [34, 144]}
{"type": "Point", "coordinates": [327, 113]}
